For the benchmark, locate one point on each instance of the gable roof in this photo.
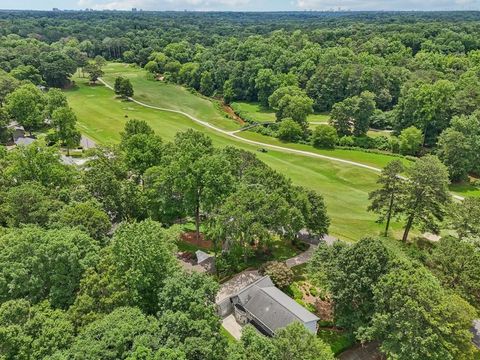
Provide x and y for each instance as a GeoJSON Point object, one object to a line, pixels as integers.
{"type": "Point", "coordinates": [476, 333]}
{"type": "Point", "coordinates": [271, 306]}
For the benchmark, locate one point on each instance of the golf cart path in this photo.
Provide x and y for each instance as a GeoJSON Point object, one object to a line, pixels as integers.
{"type": "Point", "coordinates": [232, 134]}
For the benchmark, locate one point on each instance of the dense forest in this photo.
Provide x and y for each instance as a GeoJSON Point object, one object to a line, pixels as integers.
{"type": "Point", "coordinates": [88, 256]}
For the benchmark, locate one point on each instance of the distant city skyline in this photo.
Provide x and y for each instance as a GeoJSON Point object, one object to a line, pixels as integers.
{"type": "Point", "coordinates": [243, 5]}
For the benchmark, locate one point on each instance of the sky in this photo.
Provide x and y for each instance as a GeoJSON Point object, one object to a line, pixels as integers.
{"type": "Point", "coordinates": [244, 5]}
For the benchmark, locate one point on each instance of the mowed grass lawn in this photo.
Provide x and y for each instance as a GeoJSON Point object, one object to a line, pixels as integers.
{"type": "Point", "coordinates": [102, 117]}
{"type": "Point", "coordinates": [160, 94]}
{"type": "Point", "coordinates": [255, 112]}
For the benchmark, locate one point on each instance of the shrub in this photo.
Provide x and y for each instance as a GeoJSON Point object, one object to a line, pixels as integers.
{"type": "Point", "coordinates": [281, 275]}
{"type": "Point", "coordinates": [289, 130]}
{"type": "Point", "coordinates": [346, 141]}
{"type": "Point", "coordinates": [394, 145]}
{"type": "Point", "coordinates": [324, 136]}
{"type": "Point", "coordinates": [410, 141]}
{"type": "Point", "coordinates": [364, 142]}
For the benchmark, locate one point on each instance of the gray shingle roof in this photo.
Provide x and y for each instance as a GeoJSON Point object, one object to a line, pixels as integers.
{"type": "Point", "coordinates": [272, 307]}
{"type": "Point", "coordinates": [476, 333]}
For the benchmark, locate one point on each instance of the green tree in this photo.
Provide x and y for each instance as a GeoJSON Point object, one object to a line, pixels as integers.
{"type": "Point", "coordinates": [325, 137]}
{"type": "Point", "coordinates": [33, 332]}
{"type": "Point", "coordinates": [366, 110]}
{"type": "Point", "coordinates": [188, 316]}
{"type": "Point", "coordinates": [385, 200]}
{"type": "Point", "coordinates": [38, 163]}
{"type": "Point", "coordinates": [26, 105]}
{"type": "Point", "coordinates": [289, 130]}
{"type": "Point", "coordinates": [352, 278]}
{"type": "Point", "coordinates": [455, 152]}
{"type": "Point", "coordinates": [135, 127]}
{"type": "Point", "coordinates": [38, 264]}
{"type": "Point", "coordinates": [123, 87]}
{"type": "Point", "coordinates": [143, 254]}
{"type": "Point", "coordinates": [107, 179]}
{"type": "Point", "coordinates": [27, 203]}
{"type": "Point", "coordinates": [291, 102]}
{"type": "Point", "coordinates": [64, 120]}
{"type": "Point", "coordinates": [251, 216]}
{"type": "Point", "coordinates": [207, 85]}
{"type": "Point", "coordinates": [87, 216]}
{"type": "Point", "coordinates": [55, 99]}
{"type": "Point", "coordinates": [295, 342]}
{"type": "Point", "coordinates": [57, 68]}
{"type": "Point", "coordinates": [411, 308]}
{"type": "Point", "coordinates": [115, 336]}
{"type": "Point", "coordinates": [94, 71]}
{"type": "Point", "coordinates": [426, 194]}
{"type": "Point", "coordinates": [28, 73]}
{"type": "Point", "coordinates": [8, 84]}
{"type": "Point", "coordinates": [142, 151]}
{"type": "Point", "coordinates": [265, 83]}
{"type": "Point", "coordinates": [252, 346]}
{"type": "Point", "coordinates": [427, 107]}
{"type": "Point", "coordinates": [456, 264]}
{"type": "Point", "coordinates": [464, 218]}
{"type": "Point", "coordinates": [352, 115]}
{"type": "Point", "coordinates": [410, 141]}
{"type": "Point", "coordinates": [195, 174]}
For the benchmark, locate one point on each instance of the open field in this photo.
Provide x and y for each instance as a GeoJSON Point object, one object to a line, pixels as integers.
{"type": "Point", "coordinates": [169, 96]}
{"type": "Point", "coordinates": [255, 112]}
{"type": "Point", "coordinates": [345, 187]}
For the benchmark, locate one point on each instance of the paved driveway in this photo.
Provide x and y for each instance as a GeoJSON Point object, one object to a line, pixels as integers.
{"type": "Point", "coordinates": [237, 283]}
{"type": "Point", "coordinates": [231, 325]}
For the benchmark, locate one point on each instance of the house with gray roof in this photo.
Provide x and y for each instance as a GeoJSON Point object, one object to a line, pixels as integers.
{"type": "Point", "coordinates": [476, 333]}
{"type": "Point", "coordinates": [266, 307]}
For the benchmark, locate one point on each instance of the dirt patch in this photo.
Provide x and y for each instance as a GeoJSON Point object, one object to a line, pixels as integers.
{"type": "Point", "coordinates": [324, 309]}
{"type": "Point", "coordinates": [191, 238]}
{"type": "Point", "coordinates": [232, 114]}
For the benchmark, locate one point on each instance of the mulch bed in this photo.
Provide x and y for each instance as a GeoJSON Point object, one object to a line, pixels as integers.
{"type": "Point", "coordinates": [191, 238]}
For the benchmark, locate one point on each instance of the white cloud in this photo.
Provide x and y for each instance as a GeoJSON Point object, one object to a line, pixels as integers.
{"type": "Point", "coordinates": [389, 4]}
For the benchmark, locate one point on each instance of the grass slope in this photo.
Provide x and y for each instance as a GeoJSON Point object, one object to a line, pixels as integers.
{"type": "Point", "coordinates": [169, 96]}
{"type": "Point", "coordinates": [345, 188]}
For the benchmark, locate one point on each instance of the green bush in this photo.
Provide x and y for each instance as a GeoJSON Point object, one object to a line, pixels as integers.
{"type": "Point", "coordinates": [289, 130]}
{"type": "Point", "coordinates": [281, 275]}
{"type": "Point", "coordinates": [324, 136]}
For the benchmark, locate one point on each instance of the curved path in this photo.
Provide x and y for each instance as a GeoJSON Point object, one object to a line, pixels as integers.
{"type": "Point", "coordinates": [233, 134]}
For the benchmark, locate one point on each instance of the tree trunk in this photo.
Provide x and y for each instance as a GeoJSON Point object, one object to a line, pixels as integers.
{"type": "Point", "coordinates": [197, 222]}
{"type": "Point", "coordinates": [407, 228]}
{"type": "Point", "coordinates": [389, 216]}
